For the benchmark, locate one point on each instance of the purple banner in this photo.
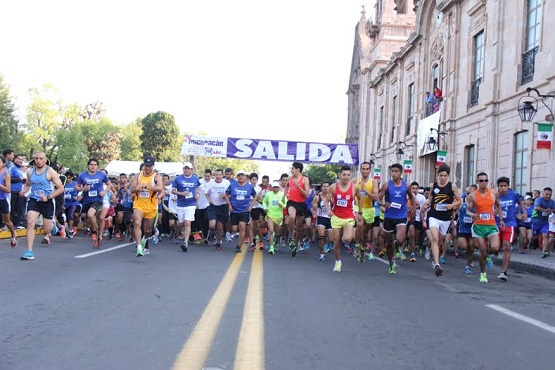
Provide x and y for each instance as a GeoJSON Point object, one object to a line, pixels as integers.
{"type": "Point", "coordinates": [290, 151]}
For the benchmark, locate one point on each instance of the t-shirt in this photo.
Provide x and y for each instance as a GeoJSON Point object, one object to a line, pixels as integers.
{"type": "Point", "coordinates": [240, 196]}
{"type": "Point", "coordinates": [182, 184]}
{"type": "Point", "coordinates": [95, 180]}
{"type": "Point", "coordinates": [551, 220]}
{"type": "Point", "coordinates": [507, 203]}
{"type": "Point", "coordinates": [274, 204]}
{"type": "Point", "coordinates": [216, 190]}
{"type": "Point", "coordinates": [70, 195]}
{"type": "Point", "coordinates": [420, 200]}
{"type": "Point", "coordinates": [16, 173]}
{"type": "Point", "coordinates": [541, 217]}
{"type": "Point", "coordinates": [204, 186]}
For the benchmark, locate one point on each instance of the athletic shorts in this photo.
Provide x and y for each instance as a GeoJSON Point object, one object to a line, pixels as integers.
{"type": "Point", "coordinates": [46, 209]}
{"type": "Point", "coordinates": [127, 215]}
{"type": "Point", "coordinates": [527, 226]}
{"type": "Point", "coordinates": [390, 224]}
{"type": "Point", "coordinates": [340, 223]}
{"type": "Point", "coordinates": [417, 225]}
{"type": "Point", "coordinates": [300, 207]}
{"type": "Point", "coordinates": [147, 214]}
{"type": "Point", "coordinates": [97, 206]}
{"type": "Point", "coordinates": [307, 214]}
{"type": "Point", "coordinates": [70, 211]}
{"type": "Point", "coordinates": [368, 215]}
{"type": "Point", "coordinates": [484, 231]}
{"type": "Point", "coordinates": [239, 217]}
{"type": "Point", "coordinates": [119, 208]}
{"type": "Point", "coordinates": [4, 207]}
{"type": "Point", "coordinates": [540, 228]}
{"type": "Point", "coordinates": [507, 234]}
{"type": "Point", "coordinates": [443, 226]}
{"type": "Point", "coordinates": [324, 222]}
{"type": "Point", "coordinates": [186, 214]}
{"type": "Point", "coordinates": [256, 213]}
{"type": "Point", "coordinates": [464, 235]}
{"type": "Point", "coordinates": [276, 221]}
{"type": "Point", "coordinates": [218, 213]}
{"type": "Point", "coordinates": [377, 222]}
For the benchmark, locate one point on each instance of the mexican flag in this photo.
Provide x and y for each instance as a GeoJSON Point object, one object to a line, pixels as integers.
{"type": "Point", "coordinates": [407, 164]}
{"type": "Point", "coordinates": [441, 157]}
{"type": "Point", "coordinates": [377, 174]}
{"type": "Point", "coordinates": [545, 136]}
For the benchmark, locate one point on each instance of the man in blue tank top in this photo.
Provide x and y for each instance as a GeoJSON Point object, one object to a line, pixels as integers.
{"type": "Point", "coordinates": [396, 192]}
{"type": "Point", "coordinates": [40, 181]}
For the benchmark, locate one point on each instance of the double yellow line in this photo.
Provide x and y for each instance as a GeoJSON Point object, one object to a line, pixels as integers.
{"type": "Point", "coordinates": [250, 347]}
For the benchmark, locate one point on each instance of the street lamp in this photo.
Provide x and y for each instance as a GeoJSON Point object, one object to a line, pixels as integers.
{"type": "Point", "coordinates": [528, 106]}
{"type": "Point", "coordinates": [432, 143]}
{"type": "Point", "coordinates": [399, 152]}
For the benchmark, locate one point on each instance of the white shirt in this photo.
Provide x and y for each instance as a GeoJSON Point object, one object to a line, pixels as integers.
{"type": "Point", "coordinates": [216, 191]}
{"type": "Point", "coordinates": [420, 199]}
{"type": "Point", "coordinates": [202, 201]}
{"type": "Point", "coordinates": [551, 219]}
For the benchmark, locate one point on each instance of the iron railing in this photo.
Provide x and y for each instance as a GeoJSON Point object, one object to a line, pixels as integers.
{"type": "Point", "coordinates": [528, 61]}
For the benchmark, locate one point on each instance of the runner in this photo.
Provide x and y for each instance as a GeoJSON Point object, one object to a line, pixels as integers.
{"type": "Point", "coordinates": [464, 231]}
{"type": "Point", "coordinates": [274, 203]}
{"type": "Point", "coordinates": [342, 196]}
{"type": "Point", "coordinates": [368, 190]}
{"type": "Point", "coordinates": [323, 221]}
{"type": "Point", "coordinates": [240, 197]}
{"type": "Point", "coordinates": [91, 182]}
{"type": "Point", "coordinates": [186, 187]}
{"type": "Point", "coordinates": [5, 191]}
{"type": "Point", "coordinates": [145, 188]}
{"type": "Point", "coordinates": [396, 193]}
{"type": "Point", "coordinates": [40, 181]}
{"type": "Point", "coordinates": [218, 213]}
{"type": "Point", "coordinates": [444, 197]}
{"type": "Point", "coordinates": [71, 204]}
{"type": "Point", "coordinates": [415, 226]}
{"type": "Point", "coordinates": [483, 221]}
{"type": "Point", "coordinates": [525, 224]}
{"type": "Point", "coordinates": [297, 191]}
{"type": "Point", "coordinates": [255, 231]}
{"type": "Point", "coordinates": [543, 206]}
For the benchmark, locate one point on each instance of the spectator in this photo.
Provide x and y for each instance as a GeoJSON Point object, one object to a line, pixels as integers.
{"type": "Point", "coordinates": [429, 103]}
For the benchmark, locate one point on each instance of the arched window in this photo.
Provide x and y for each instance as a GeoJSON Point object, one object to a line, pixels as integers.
{"type": "Point", "coordinates": [521, 174]}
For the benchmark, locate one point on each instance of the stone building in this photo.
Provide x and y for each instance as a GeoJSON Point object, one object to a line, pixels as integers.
{"type": "Point", "coordinates": [482, 55]}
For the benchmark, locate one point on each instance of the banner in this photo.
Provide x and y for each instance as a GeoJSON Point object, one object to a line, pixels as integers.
{"type": "Point", "coordinates": [544, 136]}
{"type": "Point", "coordinates": [270, 150]}
{"type": "Point", "coordinates": [407, 166]}
{"type": "Point", "coordinates": [441, 157]}
{"type": "Point", "coordinates": [377, 174]}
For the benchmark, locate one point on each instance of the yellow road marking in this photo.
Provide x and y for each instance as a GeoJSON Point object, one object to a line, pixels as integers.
{"type": "Point", "coordinates": [194, 352]}
{"type": "Point", "coordinates": [250, 349]}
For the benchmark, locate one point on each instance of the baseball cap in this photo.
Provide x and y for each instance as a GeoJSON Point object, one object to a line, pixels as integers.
{"type": "Point", "coordinates": [527, 197]}
{"type": "Point", "coordinates": [188, 164]}
{"type": "Point", "coordinates": [241, 172]}
{"type": "Point", "coordinates": [148, 161]}
{"type": "Point", "coordinates": [275, 184]}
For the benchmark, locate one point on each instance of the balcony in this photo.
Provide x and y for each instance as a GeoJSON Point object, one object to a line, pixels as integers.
{"type": "Point", "coordinates": [475, 92]}
{"type": "Point", "coordinates": [528, 60]}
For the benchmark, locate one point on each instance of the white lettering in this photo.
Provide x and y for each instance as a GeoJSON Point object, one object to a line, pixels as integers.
{"type": "Point", "coordinates": [243, 149]}
{"type": "Point", "coordinates": [342, 154]}
{"type": "Point", "coordinates": [282, 151]}
{"type": "Point", "coordinates": [301, 151]}
{"type": "Point", "coordinates": [318, 153]}
{"type": "Point", "coordinates": [264, 149]}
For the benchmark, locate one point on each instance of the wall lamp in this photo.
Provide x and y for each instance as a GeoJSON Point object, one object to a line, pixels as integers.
{"type": "Point", "coordinates": [399, 152]}
{"type": "Point", "coordinates": [432, 143]}
{"type": "Point", "coordinates": [528, 106]}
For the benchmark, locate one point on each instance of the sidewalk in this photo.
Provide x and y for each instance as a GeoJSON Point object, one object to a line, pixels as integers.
{"type": "Point", "coordinates": [530, 263]}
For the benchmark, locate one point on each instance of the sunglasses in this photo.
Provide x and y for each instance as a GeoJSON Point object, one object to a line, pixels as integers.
{"type": "Point", "coordinates": [482, 180]}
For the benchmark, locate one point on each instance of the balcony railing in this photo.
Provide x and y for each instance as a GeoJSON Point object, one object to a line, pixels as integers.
{"type": "Point", "coordinates": [475, 91]}
{"type": "Point", "coordinates": [528, 60]}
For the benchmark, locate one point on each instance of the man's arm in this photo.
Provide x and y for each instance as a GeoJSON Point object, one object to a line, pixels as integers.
{"type": "Point", "coordinates": [374, 194]}
{"type": "Point", "coordinates": [55, 178]}
{"type": "Point", "coordinates": [7, 180]}
{"type": "Point", "coordinates": [329, 199]}
{"type": "Point", "coordinates": [456, 198]}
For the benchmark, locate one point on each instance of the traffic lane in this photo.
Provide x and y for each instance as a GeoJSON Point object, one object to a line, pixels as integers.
{"type": "Point", "coordinates": [365, 318]}
{"type": "Point", "coordinates": [111, 310]}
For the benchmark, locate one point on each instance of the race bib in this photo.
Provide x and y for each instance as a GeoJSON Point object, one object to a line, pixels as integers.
{"type": "Point", "coordinates": [342, 202]}
{"type": "Point", "coordinates": [485, 216]}
{"type": "Point", "coordinates": [189, 195]}
{"type": "Point", "coordinates": [363, 194]}
{"type": "Point", "coordinates": [93, 193]}
{"type": "Point", "coordinates": [67, 196]}
{"type": "Point", "coordinates": [442, 207]}
{"type": "Point", "coordinates": [167, 197]}
{"type": "Point", "coordinates": [396, 205]}
{"type": "Point", "coordinates": [240, 197]}
{"type": "Point", "coordinates": [144, 194]}
{"type": "Point", "coordinates": [545, 214]}
{"type": "Point", "coordinates": [529, 219]}
{"type": "Point", "coordinates": [504, 214]}
{"type": "Point", "coordinates": [467, 219]}
{"type": "Point", "coordinates": [39, 193]}
{"type": "Point", "coordinates": [275, 202]}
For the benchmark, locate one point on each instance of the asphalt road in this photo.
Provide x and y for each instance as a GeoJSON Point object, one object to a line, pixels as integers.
{"type": "Point", "coordinates": [222, 310]}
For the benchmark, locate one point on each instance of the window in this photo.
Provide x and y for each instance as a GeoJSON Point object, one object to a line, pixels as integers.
{"type": "Point", "coordinates": [533, 31]}
{"type": "Point", "coordinates": [380, 134]}
{"type": "Point", "coordinates": [410, 108]}
{"type": "Point", "coordinates": [393, 119]}
{"type": "Point", "coordinates": [478, 68]}
{"type": "Point", "coordinates": [435, 76]}
{"type": "Point", "coordinates": [520, 180]}
{"type": "Point", "coordinates": [469, 161]}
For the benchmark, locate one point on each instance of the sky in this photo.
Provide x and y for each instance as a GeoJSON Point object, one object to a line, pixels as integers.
{"type": "Point", "coordinates": [246, 68]}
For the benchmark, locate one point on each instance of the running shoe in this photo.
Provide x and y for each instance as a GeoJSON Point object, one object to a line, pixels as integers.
{"type": "Point", "coordinates": [118, 235]}
{"type": "Point", "coordinates": [306, 245]}
{"type": "Point", "coordinates": [349, 248]}
{"type": "Point", "coordinates": [468, 270]}
{"type": "Point", "coordinates": [292, 244]}
{"type": "Point", "coordinates": [442, 260]}
{"type": "Point", "coordinates": [218, 246]}
{"type": "Point", "coordinates": [361, 257]}
{"type": "Point", "coordinates": [502, 276]}
{"type": "Point", "coordinates": [356, 252]}
{"type": "Point", "coordinates": [228, 237]}
{"type": "Point", "coordinates": [337, 266]}
{"type": "Point", "coordinates": [322, 257]}
{"type": "Point", "coordinates": [437, 270]}
{"type": "Point", "coordinates": [456, 254]}
{"type": "Point", "coordinates": [261, 246]}
{"type": "Point", "coordinates": [412, 257]}
{"type": "Point", "coordinates": [238, 249]}
{"type": "Point", "coordinates": [403, 257]}
{"type": "Point", "coordinates": [545, 255]}
{"type": "Point", "coordinates": [146, 251]}
{"type": "Point", "coordinates": [392, 269]}
{"type": "Point", "coordinates": [46, 240]}
{"type": "Point", "coordinates": [252, 247]}
{"type": "Point", "coordinates": [370, 256]}
{"type": "Point", "coordinates": [300, 247]}
{"type": "Point", "coordinates": [271, 250]}
{"type": "Point", "coordinates": [381, 254]}
{"type": "Point", "coordinates": [13, 242]}
{"type": "Point", "coordinates": [397, 253]}
{"type": "Point", "coordinates": [28, 255]}
{"type": "Point", "coordinates": [70, 234]}
{"type": "Point", "coordinates": [489, 262]}
{"type": "Point", "coordinates": [63, 232]}
{"type": "Point", "coordinates": [427, 253]}
{"type": "Point", "coordinates": [140, 250]}
{"type": "Point", "coordinates": [483, 277]}
{"type": "Point", "coordinates": [184, 246]}
{"type": "Point", "coordinates": [327, 248]}
{"type": "Point", "coordinates": [294, 251]}
{"type": "Point", "coordinates": [94, 240]}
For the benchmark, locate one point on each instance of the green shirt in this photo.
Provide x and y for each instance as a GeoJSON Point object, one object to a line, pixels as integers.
{"type": "Point", "coordinates": [274, 203]}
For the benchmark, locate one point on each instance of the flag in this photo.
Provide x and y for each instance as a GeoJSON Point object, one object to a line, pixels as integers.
{"type": "Point", "coordinates": [377, 174]}
{"type": "Point", "coordinates": [408, 166]}
{"type": "Point", "coordinates": [441, 157]}
{"type": "Point", "coordinates": [545, 136]}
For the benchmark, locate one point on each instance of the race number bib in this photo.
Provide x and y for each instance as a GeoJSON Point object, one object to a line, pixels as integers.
{"type": "Point", "coordinates": [166, 198]}
{"type": "Point", "coordinates": [67, 196]}
{"type": "Point", "coordinates": [545, 214]}
{"type": "Point", "coordinates": [93, 193]}
{"type": "Point", "coordinates": [467, 219]}
{"type": "Point", "coordinates": [240, 197]}
{"type": "Point", "coordinates": [363, 194]}
{"type": "Point", "coordinates": [342, 202]}
{"type": "Point", "coordinates": [144, 194]}
{"type": "Point", "coordinates": [504, 214]}
{"type": "Point", "coordinates": [189, 195]}
{"type": "Point", "coordinates": [275, 202]}
{"type": "Point", "coordinates": [442, 207]}
{"type": "Point", "coordinates": [529, 219]}
{"type": "Point", "coordinates": [39, 193]}
{"type": "Point", "coordinates": [485, 217]}
{"type": "Point", "coordinates": [396, 205]}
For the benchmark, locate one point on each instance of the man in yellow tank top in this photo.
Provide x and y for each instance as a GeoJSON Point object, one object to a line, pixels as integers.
{"type": "Point", "coordinates": [480, 206]}
{"type": "Point", "coordinates": [145, 188]}
{"type": "Point", "coordinates": [368, 189]}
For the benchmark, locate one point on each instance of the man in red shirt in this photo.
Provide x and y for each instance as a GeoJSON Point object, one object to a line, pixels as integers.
{"type": "Point", "coordinates": [297, 191]}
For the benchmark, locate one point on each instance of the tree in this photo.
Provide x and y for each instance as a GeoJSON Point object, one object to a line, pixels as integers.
{"type": "Point", "coordinates": [72, 152]}
{"type": "Point", "coordinates": [161, 138]}
{"type": "Point", "coordinates": [102, 140]}
{"type": "Point", "coordinates": [322, 172]}
{"type": "Point", "coordinates": [9, 135]}
{"type": "Point", "coordinates": [130, 147]}
{"type": "Point", "coordinates": [202, 163]}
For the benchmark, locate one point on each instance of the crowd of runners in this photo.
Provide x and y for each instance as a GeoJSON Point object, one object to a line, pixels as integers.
{"type": "Point", "coordinates": [395, 220]}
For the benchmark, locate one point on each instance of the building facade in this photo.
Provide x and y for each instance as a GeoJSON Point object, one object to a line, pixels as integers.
{"type": "Point", "coordinates": [482, 55]}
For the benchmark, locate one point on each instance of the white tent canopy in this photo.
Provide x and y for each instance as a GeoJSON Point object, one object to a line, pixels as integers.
{"type": "Point", "coordinates": [114, 168]}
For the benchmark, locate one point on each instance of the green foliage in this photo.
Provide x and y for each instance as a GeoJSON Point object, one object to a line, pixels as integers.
{"type": "Point", "coordinates": [161, 137]}
{"type": "Point", "coordinates": [43, 119]}
{"type": "Point", "coordinates": [9, 135]}
{"type": "Point", "coordinates": [322, 172]}
{"type": "Point", "coordinates": [72, 151]}
{"type": "Point", "coordinates": [202, 163]}
{"type": "Point", "coordinates": [102, 140]}
{"type": "Point", "coordinates": [130, 147]}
